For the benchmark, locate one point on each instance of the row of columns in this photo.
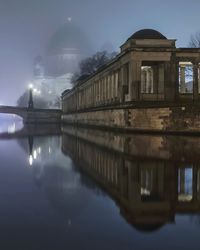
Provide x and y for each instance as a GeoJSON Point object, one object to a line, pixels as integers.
{"type": "Point", "coordinates": [99, 92]}
{"type": "Point", "coordinates": [147, 81]}
{"type": "Point", "coordinates": [92, 94]}
{"type": "Point", "coordinates": [130, 82]}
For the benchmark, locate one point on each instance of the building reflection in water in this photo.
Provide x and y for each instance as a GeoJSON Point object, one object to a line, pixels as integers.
{"type": "Point", "coordinates": [149, 188]}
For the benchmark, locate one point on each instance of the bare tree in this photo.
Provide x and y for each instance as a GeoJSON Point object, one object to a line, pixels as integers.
{"type": "Point", "coordinates": [195, 40]}
{"type": "Point", "coordinates": [91, 64]}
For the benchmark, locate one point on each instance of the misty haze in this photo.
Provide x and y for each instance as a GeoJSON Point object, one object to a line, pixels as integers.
{"type": "Point", "coordinates": [99, 124]}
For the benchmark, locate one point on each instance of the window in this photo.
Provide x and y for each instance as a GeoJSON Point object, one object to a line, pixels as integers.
{"type": "Point", "coordinates": [185, 77]}
{"type": "Point", "coordinates": [152, 78]}
{"type": "Point", "coordinates": [146, 79]}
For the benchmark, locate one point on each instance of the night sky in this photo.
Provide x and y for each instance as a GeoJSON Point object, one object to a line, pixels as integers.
{"type": "Point", "coordinates": [27, 25]}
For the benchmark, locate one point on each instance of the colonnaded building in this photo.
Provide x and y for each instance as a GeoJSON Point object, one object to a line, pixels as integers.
{"type": "Point", "coordinates": [150, 85]}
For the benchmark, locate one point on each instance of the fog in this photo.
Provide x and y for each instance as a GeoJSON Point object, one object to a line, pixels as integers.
{"type": "Point", "coordinates": [27, 25]}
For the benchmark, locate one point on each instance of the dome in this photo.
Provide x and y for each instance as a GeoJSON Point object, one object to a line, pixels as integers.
{"type": "Point", "coordinates": [147, 34]}
{"type": "Point", "coordinates": [68, 38]}
{"type": "Point", "coordinates": [66, 48]}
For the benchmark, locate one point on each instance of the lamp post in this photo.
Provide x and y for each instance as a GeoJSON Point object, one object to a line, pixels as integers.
{"type": "Point", "coordinates": [30, 101]}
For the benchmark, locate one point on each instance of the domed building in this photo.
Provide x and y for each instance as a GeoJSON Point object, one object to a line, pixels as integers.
{"type": "Point", "coordinates": [66, 48]}
{"type": "Point", "coordinates": [52, 75]}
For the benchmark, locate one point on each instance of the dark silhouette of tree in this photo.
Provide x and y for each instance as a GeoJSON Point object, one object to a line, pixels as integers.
{"type": "Point", "coordinates": [91, 64]}
{"type": "Point", "coordinates": [195, 40]}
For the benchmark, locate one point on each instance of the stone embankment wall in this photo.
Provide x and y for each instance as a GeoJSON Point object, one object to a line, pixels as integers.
{"type": "Point", "coordinates": [166, 119]}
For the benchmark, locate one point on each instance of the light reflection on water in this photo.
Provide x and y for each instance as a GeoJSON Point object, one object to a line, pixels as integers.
{"type": "Point", "coordinates": [99, 191]}
{"type": "Point", "coordinates": [10, 123]}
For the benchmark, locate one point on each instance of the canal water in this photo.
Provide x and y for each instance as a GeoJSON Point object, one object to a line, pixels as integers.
{"type": "Point", "coordinates": [89, 189]}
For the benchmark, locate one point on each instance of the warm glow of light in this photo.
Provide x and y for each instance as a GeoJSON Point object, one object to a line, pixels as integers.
{"type": "Point", "coordinates": [30, 160]}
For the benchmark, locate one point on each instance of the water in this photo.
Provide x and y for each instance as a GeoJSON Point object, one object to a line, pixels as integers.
{"type": "Point", "coordinates": [88, 189]}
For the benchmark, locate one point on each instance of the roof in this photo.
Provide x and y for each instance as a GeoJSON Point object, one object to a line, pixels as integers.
{"type": "Point", "coordinates": [147, 34]}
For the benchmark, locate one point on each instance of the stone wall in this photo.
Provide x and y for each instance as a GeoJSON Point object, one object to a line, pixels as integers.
{"type": "Point", "coordinates": [168, 119]}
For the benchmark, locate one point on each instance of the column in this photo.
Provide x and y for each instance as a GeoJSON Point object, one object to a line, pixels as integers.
{"type": "Point", "coordinates": [182, 180]}
{"type": "Point", "coordinates": [111, 87]}
{"type": "Point", "coordinates": [134, 80]}
{"type": "Point", "coordinates": [174, 78]}
{"type": "Point", "coordinates": [108, 83]}
{"type": "Point", "coordinates": [151, 81]}
{"type": "Point", "coordinates": [195, 82]}
{"type": "Point", "coordinates": [121, 88]}
{"type": "Point", "coordinates": [155, 79]}
{"type": "Point", "coordinates": [198, 77]}
{"type": "Point", "coordinates": [148, 82]}
{"type": "Point", "coordinates": [100, 89]}
{"type": "Point", "coordinates": [116, 85]}
{"type": "Point", "coordinates": [104, 89]}
{"type": "Point", "coordinates": [194, 184]}
{"type": "Point", "coordinates": [182, 79]}
{"type": "Point", "coordinates": [143, 81]}
{"type": "Point", "coordinates": [95, 85]}
{"type": "Point", "coordinates": [93, 103]}
{"type": "Point", "coordinates": [168, 83]}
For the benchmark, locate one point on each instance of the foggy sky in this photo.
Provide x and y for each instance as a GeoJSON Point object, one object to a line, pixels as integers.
{"type": "Point", "coordinates": [27, 25]}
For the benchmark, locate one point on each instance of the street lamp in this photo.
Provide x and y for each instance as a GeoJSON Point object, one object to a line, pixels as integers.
{"type": "Point", "coordinates": [30, 86]}
{"type": "Point", "coordinates": [30, 101]}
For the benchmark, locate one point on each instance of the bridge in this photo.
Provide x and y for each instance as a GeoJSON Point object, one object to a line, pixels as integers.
{"type": "Point", "coordinates": [33, 115]}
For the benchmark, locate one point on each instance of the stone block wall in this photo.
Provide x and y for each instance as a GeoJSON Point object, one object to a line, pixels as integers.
{"type": "Point", "coordinates": [168, 119]}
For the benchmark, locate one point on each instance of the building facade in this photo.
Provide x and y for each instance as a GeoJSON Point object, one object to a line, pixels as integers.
{"type": "Point", "coordinates": [149, 72]}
